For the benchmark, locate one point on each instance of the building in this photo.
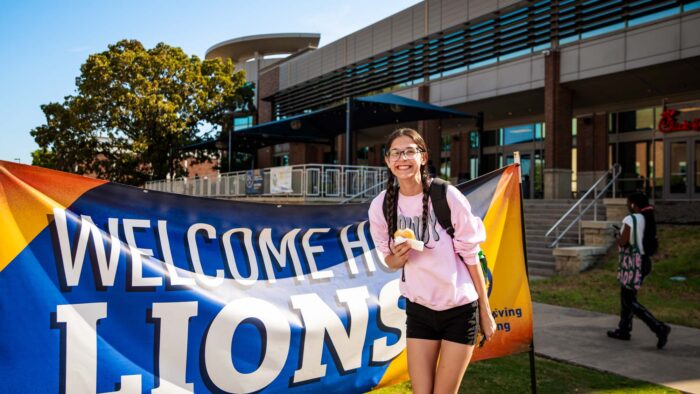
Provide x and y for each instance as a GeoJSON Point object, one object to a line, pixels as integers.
{"type": "Point", "coordinates": [573, 86]}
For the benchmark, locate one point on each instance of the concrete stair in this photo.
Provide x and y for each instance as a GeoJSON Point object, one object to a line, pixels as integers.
{"type": "Point", "coordinates": [540, 215]}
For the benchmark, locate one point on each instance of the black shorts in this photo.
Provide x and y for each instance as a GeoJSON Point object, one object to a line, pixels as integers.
{"type": "Point", "coordinates": [459, 324]}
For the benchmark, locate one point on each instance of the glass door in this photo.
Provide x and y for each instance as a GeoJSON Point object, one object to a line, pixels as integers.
{"type": "Point", "coordinates": [678, 159]}
{"type": "Point", "coordinates": [696, 169]}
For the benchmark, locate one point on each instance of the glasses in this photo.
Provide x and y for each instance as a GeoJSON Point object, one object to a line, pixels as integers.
{"type": "Point", "coordinates": [408, 154]}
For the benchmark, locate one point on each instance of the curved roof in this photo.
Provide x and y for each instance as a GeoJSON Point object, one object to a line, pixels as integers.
{"type": "Point", "coordinates": [243, 48]}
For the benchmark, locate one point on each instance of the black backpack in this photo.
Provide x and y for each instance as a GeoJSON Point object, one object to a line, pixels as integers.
{"type": "Point", "coordinates": [438, 196]}
{"type": "Point", "coordinates": [650, 241]}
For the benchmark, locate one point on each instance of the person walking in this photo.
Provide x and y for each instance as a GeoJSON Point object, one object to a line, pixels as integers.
{"type": "Point", "coordinates": [444, 287]}
{"type": "Point", "coordinates": [637, 242]}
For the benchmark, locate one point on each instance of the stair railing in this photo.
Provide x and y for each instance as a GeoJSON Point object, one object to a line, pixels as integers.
{"type": "Point", "coordinates": [614, 173]}
{"type": "Point", "coordinates": [374, 189]}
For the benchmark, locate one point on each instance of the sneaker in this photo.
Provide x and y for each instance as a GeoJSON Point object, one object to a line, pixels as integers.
{"type": "Point", "coordinates": [663, 336]}
{"type": "Point", "coordinates": [617, 334]}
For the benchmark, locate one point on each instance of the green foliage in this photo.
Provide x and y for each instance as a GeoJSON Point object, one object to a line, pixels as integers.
{"type": "Point", "coordinates": [134, 110]}
{"type": "Point", "coordinates": [672, 301]}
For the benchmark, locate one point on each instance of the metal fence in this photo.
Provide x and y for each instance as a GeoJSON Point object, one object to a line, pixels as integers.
{"type": "Point", "coordinates": [309, 182]}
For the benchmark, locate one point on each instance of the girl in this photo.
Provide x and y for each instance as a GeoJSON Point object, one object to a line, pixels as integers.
{"type": "Point", "coordinates": [446, 297]}
{"type": "Point", "coordinates": [639, 224]}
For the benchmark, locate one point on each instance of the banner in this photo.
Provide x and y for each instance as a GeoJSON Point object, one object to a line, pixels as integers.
{"type": "Point", "coordinates": [281, 180]}
{"type": "Point", "coordinates": [105, 287]}
{"type": "Point", "coordinates": [254, 182]}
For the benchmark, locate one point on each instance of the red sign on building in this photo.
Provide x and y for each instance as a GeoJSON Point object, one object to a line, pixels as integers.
{"type": "Point", "coordinates": [668, 122]}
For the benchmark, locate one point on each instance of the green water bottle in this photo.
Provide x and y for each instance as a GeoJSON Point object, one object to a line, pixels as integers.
{"type": "Point", "coordinates": [482, 260]}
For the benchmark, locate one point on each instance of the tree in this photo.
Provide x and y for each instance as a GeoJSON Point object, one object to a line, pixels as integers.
{"type": "Point", "coordinates": [133, 111]}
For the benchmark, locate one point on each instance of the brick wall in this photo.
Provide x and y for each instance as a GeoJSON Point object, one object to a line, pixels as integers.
{"type": "Point", "coordinates": [592, 143]}
{"type": "Point", "coordinates": [268, 84]}
{"type": "Point", "coordinates": [558, 112]}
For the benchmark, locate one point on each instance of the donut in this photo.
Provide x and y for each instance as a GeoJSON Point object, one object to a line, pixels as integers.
{"type": "Point", "coordinates": [406, 233]}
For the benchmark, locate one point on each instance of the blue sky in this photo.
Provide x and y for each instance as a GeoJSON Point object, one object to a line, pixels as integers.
{"type": "Point", "coordinates": [43, 43]}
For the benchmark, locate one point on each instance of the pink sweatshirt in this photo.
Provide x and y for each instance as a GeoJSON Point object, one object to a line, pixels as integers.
{"type": "Point", "coordinates": [436, 277]}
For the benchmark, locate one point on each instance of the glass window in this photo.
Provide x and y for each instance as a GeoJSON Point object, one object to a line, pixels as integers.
{"type": "Point", "coordinates": [446, 144]}
{"type": "Point", "coordinates": [641, 160]}
{"type": "Point", "coordinates": [652, 17]}
{"type": "Point", "coordinates": [539, 176]}
{"type": "Point", "coordinates": [603, 30]}
{"type": "Point", "coordinates": [679, 167]}
{"type": "Point", "coordinates": [459, 69]}
{"type": "Point", "coordinates": [691, 6]}
{"type": "Point", "coordinates": [445, 168]}
{"type": "Point", "coordinates": [363, 153]}
{"type": "Point", "coordinates": [491, 138]}
{"type": "Point", "coordinates": [483, 63]}
{"type": "Point", "coordinates": [474, 139]}
{"type": "Point", "coordinates": [473, 167]}
{"type": "Point", "coordinates": [518, 134]}
{"type": "Point", "coordinates": [656, 167]}
{"type": "Point", "coordinates": [515, 54]}
{"type": "Point", "coordinates": [541, 47]}
{"type": "Point", "coordinates": [282, 160]}
{"type": "Point", "coordinates": [626, 121]}
{"type": "Point", "coordinates": [569, 39]}
{"type": "Point", "coordinates": [242, 123]}
{"type": "Point", "coordinates": [629, 121]}
{"type": "Point", "coordinates": [644, 119]}
{"type": "Point", "coordinates": [657, 116]}
{"type": "Point", "coordinates": [488, 163]}
{"type": "Point", "coordinates": [574, 155]}
{"type": "Point", "coordinates": [697, 166]}
{"type": "Point", "coordinates": [634, 159]}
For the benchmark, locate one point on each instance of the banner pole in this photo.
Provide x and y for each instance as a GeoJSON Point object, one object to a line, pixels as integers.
{"type": "Point", "coordinates": [533, 375]}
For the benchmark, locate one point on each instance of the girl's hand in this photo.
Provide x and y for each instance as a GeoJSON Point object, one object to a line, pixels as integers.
{"type": "Point", "coordinates": [399, 256]}
{"type": "Point", "coordinates": [487, 323]}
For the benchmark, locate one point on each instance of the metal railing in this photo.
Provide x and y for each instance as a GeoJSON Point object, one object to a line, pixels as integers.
{"type": "Point", "coordinates": [308, 182]}
{"type": "Point", "coordinates": [370, 191]}
{"type": "Point", "coordinates": [613, 173]}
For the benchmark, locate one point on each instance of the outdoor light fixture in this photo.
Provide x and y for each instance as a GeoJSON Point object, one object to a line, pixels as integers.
{"type": "Point", "coordinates": [396, 108]}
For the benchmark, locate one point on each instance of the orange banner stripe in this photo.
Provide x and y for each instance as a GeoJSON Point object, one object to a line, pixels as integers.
{"type": "Point", "coordinates": [28, 196]}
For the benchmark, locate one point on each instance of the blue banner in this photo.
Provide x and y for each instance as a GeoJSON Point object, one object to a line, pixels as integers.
{"type": "Point", "coordinates": [110, 288]}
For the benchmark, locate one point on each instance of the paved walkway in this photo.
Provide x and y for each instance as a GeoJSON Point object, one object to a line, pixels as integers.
{"type": "Point", "coordinates": [578, 337]}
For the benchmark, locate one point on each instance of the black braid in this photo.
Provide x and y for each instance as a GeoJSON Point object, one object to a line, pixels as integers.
{"type": "Point", "coordinates": [391, 203]}
{"type": "Point", "coordinates": [426, 195]}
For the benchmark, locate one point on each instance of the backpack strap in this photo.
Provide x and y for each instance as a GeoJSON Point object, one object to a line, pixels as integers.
{"type": "Point", "coordinates": [438, 196]}
{"type": "Point", "coordinates": [634, 232]}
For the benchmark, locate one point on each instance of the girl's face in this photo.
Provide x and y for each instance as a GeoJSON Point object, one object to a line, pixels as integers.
{"type": "Point", "coordinates": [405, 158]}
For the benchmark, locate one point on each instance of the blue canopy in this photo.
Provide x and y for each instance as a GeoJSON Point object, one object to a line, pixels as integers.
{"type": "Point", "coordinates": [323, 125]}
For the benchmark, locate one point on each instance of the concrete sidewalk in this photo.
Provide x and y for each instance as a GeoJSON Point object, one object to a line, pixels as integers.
{"type": "Point", "coordinates": [579, 337]}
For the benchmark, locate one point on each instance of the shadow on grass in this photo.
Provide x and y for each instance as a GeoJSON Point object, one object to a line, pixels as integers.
{"type": "Point", "coordinates": [512, 375]}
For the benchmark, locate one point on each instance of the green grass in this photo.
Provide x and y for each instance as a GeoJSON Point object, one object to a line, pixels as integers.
{"type": "Point", "coordinates": [512, 375]}
{"type": "Point", "coordinates": [671, 301]}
